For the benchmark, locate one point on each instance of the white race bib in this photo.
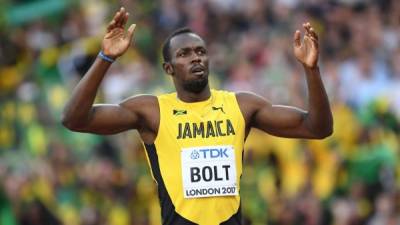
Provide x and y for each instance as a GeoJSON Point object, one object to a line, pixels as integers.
{"type": "Point", "coordinates": [209, 171]}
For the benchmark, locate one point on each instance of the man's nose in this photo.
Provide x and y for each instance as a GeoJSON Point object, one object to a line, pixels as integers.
{"type": "Point", "coordinates": [196, 58]}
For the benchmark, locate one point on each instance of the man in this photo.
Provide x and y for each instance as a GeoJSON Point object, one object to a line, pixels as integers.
{"type": "Point", "coordinates": [194, 138]}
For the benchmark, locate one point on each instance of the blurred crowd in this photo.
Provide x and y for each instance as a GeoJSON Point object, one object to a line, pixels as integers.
{"type": "Point", "coordinates": [50, 176]}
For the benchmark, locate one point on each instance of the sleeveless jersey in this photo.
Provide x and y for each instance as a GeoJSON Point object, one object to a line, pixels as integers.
{"type": "Point", "coordinates": [196, 159]}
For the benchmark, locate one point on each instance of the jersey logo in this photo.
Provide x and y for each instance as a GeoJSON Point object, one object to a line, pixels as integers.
{"type": "Point", "coordinates": [205, 129]}
{"type": "Point", "coordinates": [178, 112]}
{"type": "Point", "coordinates": [195, 154]}
{"type": "Point", "coordinates": [218, 108]}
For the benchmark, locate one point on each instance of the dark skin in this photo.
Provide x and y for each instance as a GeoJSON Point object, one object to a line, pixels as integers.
{"type": "Point", "coordinates": [189, 62]}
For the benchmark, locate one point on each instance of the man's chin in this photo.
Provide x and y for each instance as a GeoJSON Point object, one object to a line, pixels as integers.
{"type": "Point", "coordinates": [196, 86]}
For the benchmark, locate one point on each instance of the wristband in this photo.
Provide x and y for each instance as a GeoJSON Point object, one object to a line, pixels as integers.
{"type": "Point", "coordinates": [106, 58]}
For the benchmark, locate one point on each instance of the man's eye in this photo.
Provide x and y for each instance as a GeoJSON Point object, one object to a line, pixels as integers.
{"type": "Point", "coordinates": [181, 54]}
{"type": "Point", "coordinates": [201, 52]}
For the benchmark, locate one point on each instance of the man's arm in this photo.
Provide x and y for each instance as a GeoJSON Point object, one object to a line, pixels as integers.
{"type": "Point", "coordinates": [287, 121]}
{"type": "Point", "coordinates": [80, 114]}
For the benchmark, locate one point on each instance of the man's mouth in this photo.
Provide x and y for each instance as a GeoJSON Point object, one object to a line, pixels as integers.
{"type": "Point", "coordinates": [197, 70]}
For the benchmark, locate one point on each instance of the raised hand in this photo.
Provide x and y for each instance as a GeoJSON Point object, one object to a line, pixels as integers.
{"type": "Point", "coordinates": [306, 51]}
{"type": "Point", "coordinates": [117, 40]}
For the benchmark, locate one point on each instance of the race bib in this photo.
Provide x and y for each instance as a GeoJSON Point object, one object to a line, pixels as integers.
{"type": "Point", "coordinates": [209, 171]}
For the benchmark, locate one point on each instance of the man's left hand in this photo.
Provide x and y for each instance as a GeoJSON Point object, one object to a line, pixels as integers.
{"type": "Point", "coordinates": [306, 51]}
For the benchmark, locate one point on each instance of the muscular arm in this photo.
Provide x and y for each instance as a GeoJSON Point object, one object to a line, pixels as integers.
{"type": "Point", "coordinates": [319, 116]}
{"type": "Point", "coordinates": [81, 115]}
{"type": "Point", "coordinates": [287, 121]}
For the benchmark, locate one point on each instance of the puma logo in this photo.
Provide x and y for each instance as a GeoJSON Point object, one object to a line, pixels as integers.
{"type": "Point", "coordinates": [218, 108]}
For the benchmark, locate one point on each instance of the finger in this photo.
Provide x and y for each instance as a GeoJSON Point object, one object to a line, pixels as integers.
{"type": "Point", "coordinates": [307, 30]}
{"type": "Point", "coordinates": [307, 27]}
{"type": "Point", "coordinates": [313, 33]}
{"type": "Point", "coordinates": [311, 41]}
{"type": "Point", "coordinates": [130, 31]}
{"type": "Point", "coordinates": [121, 16]}
{"type": "Point", "coordinates": [312, 38]}
{"type": "Point", "coordinates": [126, 16]}
{"type": "Point", "coordinates": [307, 42]}
{"type": "Point", "coordinates": [114, 22]}
{"type": "Point", "coordinates": [111, 26]}
{"type": "Point", "coordinates": [314, 46]}
{"type": "Point", "coordinates": [116, 15]}
{"type": "Point", "coordinates": [296, 38]}
{"type": "Point", "coordinates": [314, 43]}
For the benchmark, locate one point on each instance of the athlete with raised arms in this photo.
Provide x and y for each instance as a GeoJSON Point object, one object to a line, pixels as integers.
{"type": "Point", "coordinates": [194, 137]}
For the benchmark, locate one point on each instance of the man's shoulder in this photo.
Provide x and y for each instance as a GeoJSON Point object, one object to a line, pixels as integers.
{"type": "Point", "coordinates": [141, 98]}
{"type": "Point", "coordinates": [222, 92]}
{"type": "Point", "coordinates": [168, 95]}
{"type": "Point", "coordinates": [242, 97]}
{"type": "Point", "coordinates": [248, 99]}
{"type": "Point", "coordinates": [143, 101]}
{"type": "Point", "coordinates": [246, 96]}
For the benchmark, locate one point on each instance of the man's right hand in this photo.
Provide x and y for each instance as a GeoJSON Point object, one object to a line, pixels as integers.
{"type": "Point", "coordinates": [117, 40]}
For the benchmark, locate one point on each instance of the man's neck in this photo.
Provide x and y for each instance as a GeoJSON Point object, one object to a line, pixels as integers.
{"type": "Point", "coordinates": [186, 96]}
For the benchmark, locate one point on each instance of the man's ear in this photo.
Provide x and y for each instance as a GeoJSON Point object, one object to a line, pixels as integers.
{"type": "Point", "coordinates": [168, 68]}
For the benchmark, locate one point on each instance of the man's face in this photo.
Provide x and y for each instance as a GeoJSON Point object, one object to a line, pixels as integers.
{"type": "Point", "coordinates": [189, 61]}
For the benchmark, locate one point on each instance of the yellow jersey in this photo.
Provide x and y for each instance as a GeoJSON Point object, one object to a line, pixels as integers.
{"type": "Point", "coordinates": [196, 159]}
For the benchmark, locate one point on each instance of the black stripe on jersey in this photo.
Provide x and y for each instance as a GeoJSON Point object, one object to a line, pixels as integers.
{"type": "Point", "coordinates": [236, 219]}
{"type": "Point", "coordinates": [168, 213]}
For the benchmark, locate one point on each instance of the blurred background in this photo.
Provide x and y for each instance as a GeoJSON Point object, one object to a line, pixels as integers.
{"type": "Point", "coordinates": [51, 176]}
